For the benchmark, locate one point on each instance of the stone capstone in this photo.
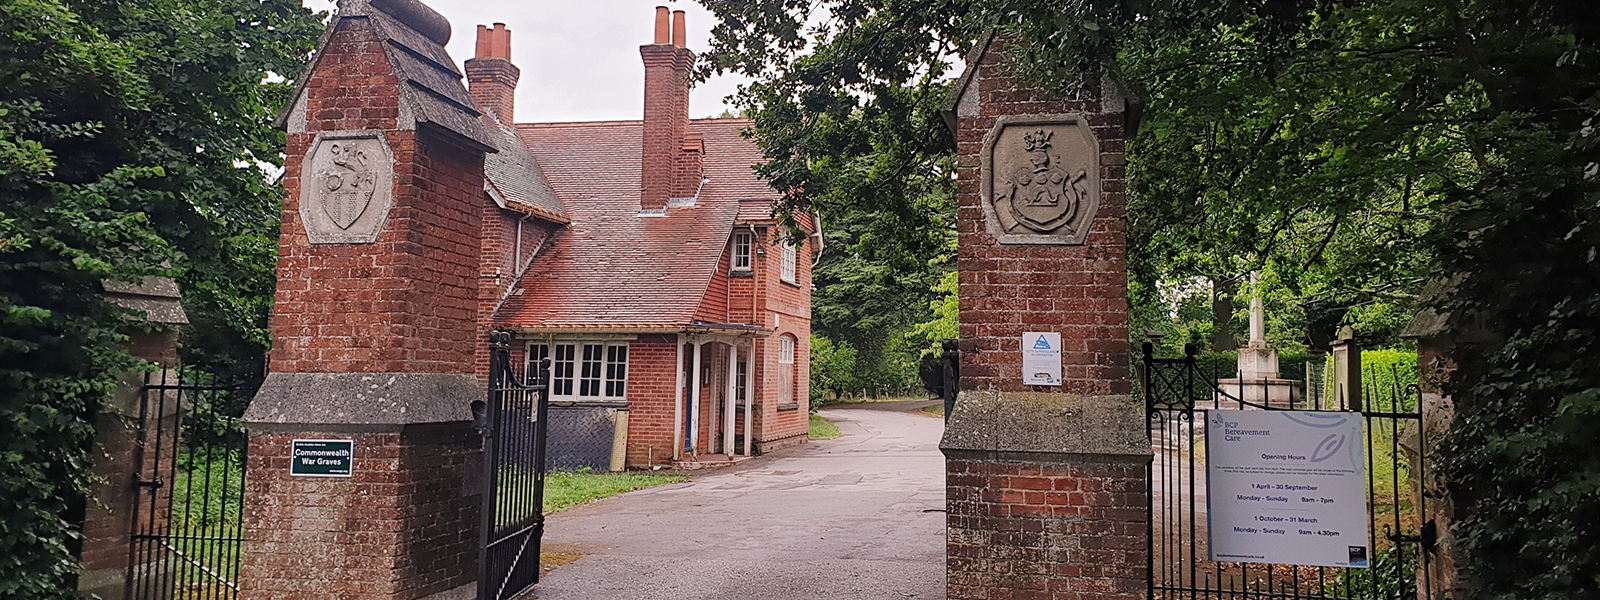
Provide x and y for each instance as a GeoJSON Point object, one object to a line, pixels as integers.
{"type": "Point", "coordinates": [1037, 423]}
{"type": "Point", "coordinates": [364, 399]}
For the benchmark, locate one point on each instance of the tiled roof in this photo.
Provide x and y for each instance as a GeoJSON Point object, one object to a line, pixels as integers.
{"type": "Point", "coordinates": [513, 178]}
{"type": "Point", "coordinates": [611, 267]}
{"type": "Point", "coordinates": [755, 210]}
{"type": "Point", "coordinates": [430, 85]}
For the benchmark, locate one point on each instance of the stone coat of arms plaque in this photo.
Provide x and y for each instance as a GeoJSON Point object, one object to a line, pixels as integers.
{"type": "Point", "coordinates": [1040, 179]}
{"type": "Point", "coordinates": [346, 187]}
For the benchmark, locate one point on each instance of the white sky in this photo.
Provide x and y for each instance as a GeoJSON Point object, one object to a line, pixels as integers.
{"type": "Point", "coordinates": [579, 59]}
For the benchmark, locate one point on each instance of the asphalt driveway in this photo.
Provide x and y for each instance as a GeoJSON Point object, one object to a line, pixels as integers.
{"type": "Point", "coordinates": [861, 516]}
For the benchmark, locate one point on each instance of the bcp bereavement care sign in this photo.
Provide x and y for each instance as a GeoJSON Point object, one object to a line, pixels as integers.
{"type": "Point", "coordinates": [1287, 487]}
{"type": "Point", "coordinates": [321, 458]}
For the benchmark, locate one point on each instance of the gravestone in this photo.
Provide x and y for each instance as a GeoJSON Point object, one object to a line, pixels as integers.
{"type": "Point", "coordinates": [1046, 469]}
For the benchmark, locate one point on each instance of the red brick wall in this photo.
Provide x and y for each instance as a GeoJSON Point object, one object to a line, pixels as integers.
{"type": "Point", "coordinates": [1079, 291]}
{"type": "Point", "coordinates": [1029, 530]}
{"type": "Point", "coordinates": [651, 379]}
{"type": "Point", "coordinates": [405, 518]}
{"type": "Point", "coordinates": [499, 270]}
{"type": "Point", "coordinates": [714, 307]}
{"type": "Point", "coordinates": [408, 302]}
{"type": "Point", "coordinates": [787, 307]}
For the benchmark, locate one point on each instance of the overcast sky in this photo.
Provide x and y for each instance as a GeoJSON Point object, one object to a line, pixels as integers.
{"type": "Point", "coordinates": [579, 59]}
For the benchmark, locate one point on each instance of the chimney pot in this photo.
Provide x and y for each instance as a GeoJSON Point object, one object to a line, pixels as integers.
{"type": "Point", "coordinates": [679, 38]}
{"type": "Point", "coordinates": [493, 83]}
{"type": "Point", "coordinates": [663, 25]}
{"type": "Point", "coordinates": [484, 42]}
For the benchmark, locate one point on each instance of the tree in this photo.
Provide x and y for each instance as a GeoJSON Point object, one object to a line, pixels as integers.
{"type": "Point", "coordinates": [845, 107]}
{"type": "Point", "coordinates": [120, 127]}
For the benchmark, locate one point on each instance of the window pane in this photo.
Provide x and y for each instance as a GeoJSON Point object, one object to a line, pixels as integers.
{"type": "Point", "coordinates": [786, 350]}
{"type": "Point", "coordinates": [536, 353]}
{"type": "Point", "coordinates": [616, 371]}
{"type": "Point", "coordinates": [744, 370]}
{"type": "Point", "coordinates": [741, 250]}
{"type": "Point", "coordinates": [589, 385]}
{"type": "Point", "coordinates": [562, 367]}
{"type": "Point", "coordinates": [788, 262]}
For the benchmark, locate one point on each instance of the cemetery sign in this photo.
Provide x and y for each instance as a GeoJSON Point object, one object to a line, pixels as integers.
{"type": "Point", "coordinates": [1287, 487]}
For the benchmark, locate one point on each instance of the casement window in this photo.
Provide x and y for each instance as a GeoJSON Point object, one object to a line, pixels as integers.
{"type": "Point", "coordinates": [786, 368]}
{"type": "Point", "coordinates": [584, 370]}
{"type": "Point", "coordinates": [787, 273]}
{"type": "Point", "coordinates": [742, 245]}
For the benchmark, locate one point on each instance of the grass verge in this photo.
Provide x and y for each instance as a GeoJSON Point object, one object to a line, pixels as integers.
{"type": "Point", "coordinates": [821, 429]}
{"type": "Point", "coordinates": [936, 410]}
{"type": "Point", "coordinates": [566, 489]}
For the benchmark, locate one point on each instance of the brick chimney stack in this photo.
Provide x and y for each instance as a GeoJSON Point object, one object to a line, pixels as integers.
{"type": "Point", "coordinates": [491, 78]}
{"type": "Point", "coordinates": [671, 166]}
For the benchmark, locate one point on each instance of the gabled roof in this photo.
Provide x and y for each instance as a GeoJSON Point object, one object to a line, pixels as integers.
{"type": "Point", "coordinates": [612, 268]}
{"type": "Point", "coordinates": [513, 179]}
{"type": "Point", "coordinates": [413, 35]}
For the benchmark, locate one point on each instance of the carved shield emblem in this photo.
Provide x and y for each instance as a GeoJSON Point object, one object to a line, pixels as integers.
{"type": "Point", "coordinates": [1041, 195]}
{"type": "Point", "coordinates": [1040, 179]}
{"type": "Point", "coordinates": [348, 183]}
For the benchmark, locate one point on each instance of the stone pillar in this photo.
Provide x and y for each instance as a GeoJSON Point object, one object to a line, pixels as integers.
{"type": "Point", "coordinates": [1047, 464]}
{"type": "Point", "coordinates": [374, 326]}
{"type": "Point", "coordinates": [107, 516]}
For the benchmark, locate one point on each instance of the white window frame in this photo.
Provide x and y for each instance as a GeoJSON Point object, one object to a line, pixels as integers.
{"type": "Point", "coordinates": [787, 274]}
{"type": "Point", "coordinates": [786, 370]}
{"type": "Point", "coordinates": [743, 245]}
{"type": "Point", "coordinates": [584, 369]}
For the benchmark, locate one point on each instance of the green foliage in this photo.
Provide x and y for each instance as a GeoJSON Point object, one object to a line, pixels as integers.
{"type": "Point", "coordinates": [566, 489]}
{"type": "Point", "coordinates": [821, 429]}
{"type": "Point", "coordinates": [845, 105]}
{"type": "Point", "coordinates": [946, 321]}
{"type": "Point", "coordinates": [119, 127]}
{"type": "Point", "coordinates": [833, 369]}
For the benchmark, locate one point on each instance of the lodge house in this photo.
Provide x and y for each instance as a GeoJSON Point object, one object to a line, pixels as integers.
{"type": "Point", "coordinates": [642, 258]}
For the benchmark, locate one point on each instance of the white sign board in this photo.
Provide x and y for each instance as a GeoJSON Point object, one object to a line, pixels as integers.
{"type": "Point", "coordinates": [1041, 358]}
{"type": "Point", "coordinates": [1287, 487]}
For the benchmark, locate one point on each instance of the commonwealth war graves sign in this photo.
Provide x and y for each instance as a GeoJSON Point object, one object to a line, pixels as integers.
{"type": "Point", "coordinates": [321, 458]}
{"type": "Point", "coordinates": [346, 187]}
{"type": "Point", "coordinates": [1041, 179]}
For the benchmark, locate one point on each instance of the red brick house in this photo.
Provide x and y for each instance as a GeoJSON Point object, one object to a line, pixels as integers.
{"type": "Point", "coordinates": [641, 257]}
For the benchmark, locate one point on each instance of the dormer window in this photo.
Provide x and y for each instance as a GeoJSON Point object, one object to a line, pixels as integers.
{"type": "Point", "coordinates": [787, 273]}
{"type": "Point", "coordinates": [743, 243]}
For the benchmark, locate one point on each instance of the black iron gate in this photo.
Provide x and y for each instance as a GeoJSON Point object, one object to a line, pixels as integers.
{"type": "Point", "coordinates": [189, 452]}
{"type": "Point", "coordinates": [514, 426]}
{"type": "Point", "coordinates": [1175, 389]}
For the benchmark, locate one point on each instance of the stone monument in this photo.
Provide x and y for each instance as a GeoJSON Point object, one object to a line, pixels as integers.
{"type": "Point", "coordinates": [1046, 450]}
{"type": "Point", "coordinates": [1258, 383]}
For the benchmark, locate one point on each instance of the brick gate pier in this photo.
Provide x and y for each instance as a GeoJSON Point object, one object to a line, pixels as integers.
{"type": "Point", "coordinates": [1046, 456]}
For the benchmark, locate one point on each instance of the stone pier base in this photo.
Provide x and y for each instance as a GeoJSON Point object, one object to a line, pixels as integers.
{"type": "Point", "coordinates": [1046, 498]}
{"type": "Point", "coordinates": [404, 525]}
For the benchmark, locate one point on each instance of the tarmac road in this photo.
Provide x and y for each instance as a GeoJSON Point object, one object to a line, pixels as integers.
{"type": "Point", "coordinates": [861, 516]}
